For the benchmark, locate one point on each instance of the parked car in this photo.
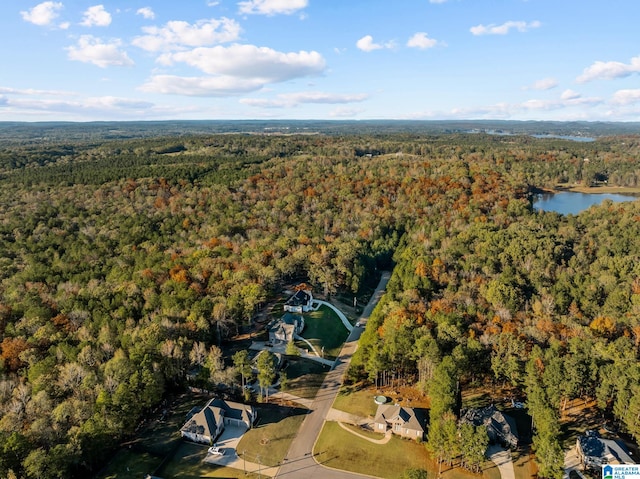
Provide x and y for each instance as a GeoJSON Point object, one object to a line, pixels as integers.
{"type": "Point", "coordinates": [216, 451]}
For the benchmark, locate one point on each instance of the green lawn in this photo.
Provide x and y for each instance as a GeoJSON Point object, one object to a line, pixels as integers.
{"type": "Point", "coordinates": [342, 450]}
{"type": "Point", "coordinates": [305, 377]}
{"type": "Point", "coordinates": [364, 432]}
{"type": "Point", "coordinates": [271, 437]}
{"type": "Point", "coordinates": [356, 401]}
{"type": "Point", "coordinates": [323, 328]}
{"type": "Point", "coordinates": [522, 465]}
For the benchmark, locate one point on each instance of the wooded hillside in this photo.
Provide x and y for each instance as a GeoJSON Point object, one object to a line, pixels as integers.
{"type": "Point", "coordinates": [123, 263]}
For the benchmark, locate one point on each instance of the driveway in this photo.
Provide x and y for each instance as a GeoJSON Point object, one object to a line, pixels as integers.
{"type": "Point", "coordinates": [228, 443]}
{"type": "Point", "coordinates": [572, 463]}
{"type": "Point", "coordinates": [502, 458]}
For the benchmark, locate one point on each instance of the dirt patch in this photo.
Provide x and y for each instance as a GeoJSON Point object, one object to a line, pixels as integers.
{"type": "Point", "coordinates": [404, 396]}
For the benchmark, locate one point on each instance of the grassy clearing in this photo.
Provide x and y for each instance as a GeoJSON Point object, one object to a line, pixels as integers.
{"type": "Point", "coordinates": [491, 471]}
{"type": "Point", "coordinates": [187, 464]}
{"type": "Point", "coordinates": [305, 377]}
{"type": "Point", "coordinates": [623, 190]}
{"type": "Point", "coordinates": [127, 463]}
{"type": "Point", "coordinates": [271, 438]}
{"type": "Point", "coordinates": [323, 328]}
{"type": "Point", "coordinates": [156, 441]}
{"type": "Point", "coordinates": [523, 465]}
{"type": "Point", "coordinates": [356, 401]}
{"type": "Point", "coordinates": [477, 399]}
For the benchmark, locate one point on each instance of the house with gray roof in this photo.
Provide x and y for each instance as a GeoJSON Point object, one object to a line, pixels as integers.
{"type": "Point", "coordinates": [205, 424]}
{"type": "Point", "coordinates": [403, 421]}
{"type": "Point", "coordinates": [594, 451]}
{"type": "Point", "coordinates": [286, 328]}
{"type": "Point", "coordinates": [501, 428]}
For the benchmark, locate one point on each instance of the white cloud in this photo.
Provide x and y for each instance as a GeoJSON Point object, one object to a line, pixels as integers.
{"type": "Point", "coordinates": [366, 44]}
{"type": "Point", "coordinates": [212, 3]}
{"type": "Point", "coordinates": [570, 95]}
{"type": "Point", "coordinates": [272, 7]}
{"type": "Point", "coordinates": [178, 34]}
{"type": "Point", "coordinates": [90, 49]}
{"type": "Point", "coordinates": [421, 40]}
{"type": "Point", "coordinates": [626, 97]}
{"type": "Point", "coordinates": [437, 1]}
{"type": "Point", "coordinates": [609, 70]}
{"type": "Point", "coordinates": [234, 70]}
{"type": "Point", "coordinates": [42, 14]}
{"type": "Point", "coordinates": [96, 16]}
{"type": "Point", "coordinates": [201, 86]}
{"type": "Point", "coordinates": [146, 12]}
{"type": "Point", "coordinates": [31, 92]}
{"type": "Point", "coordinates": [544, 84]}
{"type": "Point", "coordinates": [249, 61]}
{"type": "Point", "coordinates": [288, 100]}
{"type": "Point", "coordinates": [503, 29]}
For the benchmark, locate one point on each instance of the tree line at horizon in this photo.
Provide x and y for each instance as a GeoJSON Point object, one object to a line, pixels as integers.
{"type": "Point", "coordinates": [124, 264]}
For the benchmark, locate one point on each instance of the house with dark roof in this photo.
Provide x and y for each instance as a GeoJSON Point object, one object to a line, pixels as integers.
{"type": "Point", "coordinates": [286, 328]}
{"type": "Point", "coordinates": [501, 428]}
{"type": "Point", "coordinates": [300, 302]}
{"type": "Point", "coordinates": [205, 424]}
{"type": "Point", "coordinates": [594, 451]}
{"type": "Point", "coordinates": [403, 421]}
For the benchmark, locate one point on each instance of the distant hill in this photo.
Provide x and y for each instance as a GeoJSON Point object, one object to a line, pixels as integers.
{"type": "Point", "coordinates": [92, 131]}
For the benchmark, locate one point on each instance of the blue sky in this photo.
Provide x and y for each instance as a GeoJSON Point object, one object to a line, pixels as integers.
{"type": "Point", "coordinates": [320, 59]}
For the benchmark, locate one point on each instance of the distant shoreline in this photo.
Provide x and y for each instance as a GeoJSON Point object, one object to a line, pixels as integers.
{"type": "Point", "coordinates": [620, 190]}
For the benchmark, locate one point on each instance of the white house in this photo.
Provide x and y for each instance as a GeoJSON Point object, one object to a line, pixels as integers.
{"type": "Point", "coordinates": [301, 302]}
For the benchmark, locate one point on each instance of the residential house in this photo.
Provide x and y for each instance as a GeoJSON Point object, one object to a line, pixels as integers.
{"type": "Point", "coordinates": [300, 302]}
{"type": "Point", "coordinates": [205, 424]}
{"type": "Point", "coordinates": [594, 451]}
{"type": "Point", "coordinates": [286, 328]}
{"type": "Point", "coordinates": [403, 421]}
{"type": "Point", "coordinates": [501, 428]}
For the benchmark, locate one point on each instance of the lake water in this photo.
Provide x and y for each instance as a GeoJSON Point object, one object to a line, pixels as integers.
{"type": "Point", "coordinates": [582, 139]}
{"type": "Point", "coordinates": [568, 202]}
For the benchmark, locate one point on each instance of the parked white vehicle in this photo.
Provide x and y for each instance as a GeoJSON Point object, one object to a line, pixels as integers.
{"type": "Point", "coordinates": [216, 451]}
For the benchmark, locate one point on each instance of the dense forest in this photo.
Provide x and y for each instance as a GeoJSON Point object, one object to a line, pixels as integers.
{"type": "Point", "coordinates": [125, 262]}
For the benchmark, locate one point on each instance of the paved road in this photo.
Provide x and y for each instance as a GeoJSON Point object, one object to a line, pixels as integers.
{"type": "Point", "coordinates": [299, 462]}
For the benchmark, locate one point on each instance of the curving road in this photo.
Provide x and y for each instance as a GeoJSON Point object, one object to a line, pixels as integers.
{"type": "Point", "coordinates": [299, 462]}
